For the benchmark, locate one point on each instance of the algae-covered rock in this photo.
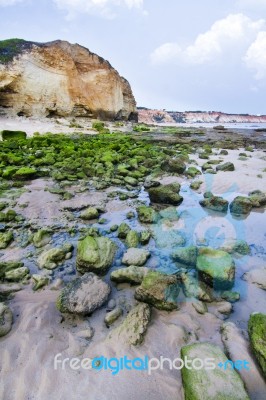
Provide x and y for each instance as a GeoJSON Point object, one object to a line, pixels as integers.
{"type": "Point", "coordinates": [241, 247]}
{"type": "Point", "coordinates": [25, 173]}
{"type": "Point", "coordinates": [192, 171]}
{"type": "Point", "coordinates": [241, 205]}
{"type": "Point", "coordinates": [89, 214]}
{"type": "Point", "coordinates": [215, 203]}
{"type": "Point", "coordinates": [257, 337]}
{"type": "Point", "coordinates": [195, 185]}
{"type": "Point", "coordinates": [159, 290]}
{"type": "Point", "coordinates": [194, 288]}
{"type": "Point", "coordinates": [145, 237]}
{"type": "Point", "coordinates": [131, 181]}
{"type": "Point", "coordinates": [132, 239]}
{"type": "Point", "coordinates": [257, 198]}
{"type": "Point", "coordinates": [50, 259]}
{"type": "Point", "coordinates": [6, 319]}
{"type": "Point", "coordinates": [132, 274]}
{"type": "Point", "coordinates": [210, 384]}
{"type": "Point", "coordinates": [186, 255]}
{"type": "Point", "coordinates": [147, 215]}
{"type": "Point", "coordinates": [39, 281]}
{"type": "Point", "coordinates": [9, 266]}
{"type": "Point", "coordinates": [5, 239]}
{"type": "Point", "coordinates": [83, 295]}
{"type": "Point", "coordinates": [173, 165]}
{"type": "Point", "coordinates": [13, 135]}
{"type": "Point", "coordinates": [135, 256]}
{"type": "Point", "coordinates": [216, 268]}
{"type": "Point", "coordinates": [41, 238]}
{"type": "Point", "coordinates": [134, 327]}
{"type": "Point", "coordinates": [17, 275]}
{"type": "Point", "coordinates": [228, 166]}
{"type": "Point", "coordinates": [113, 316]}
{"type": "Point", "coordinates": [95, 254]}
{"type": "Point", "coordinates": [166, 194]}
{"type": "Point", "coordinates": [123, 230]}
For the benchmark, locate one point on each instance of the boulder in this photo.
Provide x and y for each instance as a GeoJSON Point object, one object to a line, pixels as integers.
{"type": "Point", "coordinates": [132, 239]}
{"type": "Point", "coordinates": [6, 319]}
{"type": "Point", "coordinates": [257, 337]}
{"type": "Point", "coordinates": [210, 384]}
{"type": "Point", "coordinates": [89, 214]}
{"type": "Point", "coordinates": [41, 238]}
{"type": "Point", "coordinates": [228, 166]}
{"type": "Point", "coordinates": [186, 256]}
{"type": "Point", "coordinates": [173, 165]}
{"type": "Point", "coordinates": [215, 203]}
{"type": "Point", "coordinates": [216, 268]}
{"type": "Point", "coordinates": [51, 258]}
{"type": "Point", "coordinates": [9, 266]}
{"type": "Point", "coordinates": [123, 230]}
{"type": "Point", "coordinates": [17, 275]}
{"type": "Point", "coordinates": [83, 295]}
{"type": "Point", "coordinates": [241, 205]}
{"type": "Point", "coordinates": [134, 327]}
{"type": "Point", "coordinates": [257, 198]}
{"type": "Point", "coordinates": [132, 274]}
{"type": "Point", "coordinates": [166, 194]}
{"type": "Point", "coordinates": [147, 215]}
{"type": "Point", "coordinates": [39, 281]}
{"type": "Point", "coordinates": [145, 237]}
{"type": "Point", "coordinates": [95, 254]}
{"type": "Point", "coordinates": [135, 256]}
{"type": "Point", "coordinates": [5, 239]}
{"type": "Point", "coordinates": [194, 288]}
{"type": "Point", "coordinates": [159, 290]}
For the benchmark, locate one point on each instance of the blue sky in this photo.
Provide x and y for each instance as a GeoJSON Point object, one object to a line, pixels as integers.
{"type": "Point", "coordinates": [178, 55]}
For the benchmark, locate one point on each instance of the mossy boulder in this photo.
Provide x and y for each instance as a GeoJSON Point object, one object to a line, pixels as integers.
{"type": "Point", "coordinates": [216, 268]}
{"type": "Point", "coordinates": [39, 281]}
{"type": "Point", "coordinates": [159, 290]}
{"type": "Point", "coordinates": [210, 384]}
{"type": "Point", "coordinates": [51, 258]}
{"type": "Point", "coordinates": [13, 135]}
{"type": "Point", "coordinates": [192, 172]}
{"type": "Point", "coordinates": [257, 198]}
{"type": "Point", "coordinates": [215, 203]}
{"type": "Point", "coordinates": [145, 237]}
{"type": "Point", "coordinates": [95, 254]}
{"type": "Point", "coordinates": [228, 166]}
{"type": "Point", "coordinates": [147, 215]}
{"type": "Point", "coordinates": [195, 185]}
{"type": "Point", "coordinates": [186, 256]}
{"type": "Point", "coordinates": [132, 239]}
{"type": "Point", "coordinates": [166, 194]}
{"type": "Point", "coordinates": [135, 256]}
{"type": "Point", "coordinates": [83, 295]}
{"type": "Point", "coordinates": [257, 337]}
{"type": "Point", "coordinates": [131, 181]}
{"type": "Point", "coordinates": [123, 230]}
{"type": "Point", "coordinates": [241, 247]}
{"type": "Point", "coordinates": [17, 275]}
{"type": "Point", "coordinates": [133, 329]}
{"type": "Point", "coordinates": [173, 165]}
{"type": "Point", "coordinates": [132, 274]}
{"type": "Point", "coordinates": [6, 319]}
{"type": "Point", "coordinates": [241, 205]}
{"type": "Point", "coordinates": [9, 266]}
{"type": "Point", "coordinates": [194, 288]}
{"type": "Point", "coordinates": [89, 214]}
{"type": "Point", "coordinates": [9, 216]}
{"type": "Point", "coordinates": [5, 239]}
{"type": "Point", "coordinates": [41, 238]}
{"type": "Point", "coordinates": [25, 173]}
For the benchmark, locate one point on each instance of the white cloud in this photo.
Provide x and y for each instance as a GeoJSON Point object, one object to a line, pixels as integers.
{"type": "Point", "coordinates": [231, 32]}
{"type": "Point", "coordinates": [4, 3]}
{"type": "Point", "coordinates": [104, 8]}
{"type": "Point", "coordinates": [255, 57]}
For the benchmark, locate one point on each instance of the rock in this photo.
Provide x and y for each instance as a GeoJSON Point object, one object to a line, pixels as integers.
{"type": "Point", "coordinates": [24, 173]}
{"type": "Point", "coordinates": [6, 319]}
{"type": "Point", "coordinates": [59, 81]}
{"type": "Point", "coordinates": [131, 181]}
{"type": "Point", "coordinates": [228, 166]}
{"type": "Point", "coordinates": [17, 275]}
{"type": "Point", "coordinates": [57, 285]}
{"type": "Point", "coordinates": [223, 153]}
{"type": "Point", "coordinates": [150, 183]}
{"type": "Point", "coordinates": [215, 203]}
{"type": "Point", "coordinates": [166, 194]}
{"type": "Point", "coordinates": [134, 327]}
{"type": "Point", "coordinates": [39, 281]}
{"type": "Point", "coordinates": [173, 165]}
{"type": "Point", "coordinates": [9, 266]}
{"type": "Point", "coordinates": [112, 316]}
{"type": "Point", "coordinates": [170, 214]}
{"type": "Point", "coordinates": [192, 171]}
{"type": "Point", "coordinates": [132, 239]}
{"type": "Point", "coordinates": [123, 230]}
{"type": "Point", "coordinates": [186, 255]}
{"type": "Point", "coordinates": [132, 274]}
{"type": "Point", "coordinates": [194, 288]}
{"type": "Point", "coordinates": [50, 259]}
{"type": "Point", "coordinates": [257, 337]}
{"type": "Point", "coordinates": [159, 290]}
{"type": "Point", "coordinates": [216, 268]}
{"type": "Point", "coordinates": [145, 237]}
{"type": "Point", "coordinates": [230, 296]}
{"type": "Point", "coordinates": [200, 307]}
{"type": "Point", "coordinates": [5, 239]}
{"type": "Point", "coordinates": [130, 215]}
{"type": "Point", "coordinates": [195, 185]}
{"type": "Point", "coordinates": [86, 334]}
{"type": "Point", "coordinates": [83, 295]}
{"type": "Point", "coordinates": [210, 384]}
{"type": "Point", "coordinates": [256, 276]}
{"type": "Point", "coordinates": [241, 205]}
{"type": "Point", "coordinates": [257, 198]}
{"type": "Point", "coordinates": [241, 247]}
{"type": "Point", "coordinates": [114, 228]}
{"type": "Point", "coordinates": [147, 215]}
{"type": "Point", "coordinates": [41, 238]}
{"type": "Point", "coordinates": [111, 304]}
{"type": "Point", "coordinates": [225, 308]}
{"type": "Point", "coordinates": [89, 213]}
{"type": "Point", "coordinates": [135, 257]}
{"type": "Point", "coordinates": [95, 254]}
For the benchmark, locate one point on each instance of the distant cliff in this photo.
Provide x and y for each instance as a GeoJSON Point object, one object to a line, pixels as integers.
{"type": "Point", "coordinates": [168, 117]}
{"type": "Point", "coordinates": [61, 79]}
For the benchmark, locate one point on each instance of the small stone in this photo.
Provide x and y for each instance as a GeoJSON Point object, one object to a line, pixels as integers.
{"type": "Point", "coordinates": [112, 316]}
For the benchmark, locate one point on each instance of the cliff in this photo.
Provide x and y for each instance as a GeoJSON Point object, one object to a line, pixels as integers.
{"type": "Point", "coordinates": [59, 78]}
{"type": "Point", "coordinates": [161, 116]}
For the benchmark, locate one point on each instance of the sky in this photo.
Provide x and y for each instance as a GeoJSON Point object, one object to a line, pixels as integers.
{"type": "Point", "coordinates": [177, 55]}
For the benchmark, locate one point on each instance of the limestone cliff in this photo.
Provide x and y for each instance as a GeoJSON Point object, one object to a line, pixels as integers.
{"type": "Point", "coordinates": [59, 78]}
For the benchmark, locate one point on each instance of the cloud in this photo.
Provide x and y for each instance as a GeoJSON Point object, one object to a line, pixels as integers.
{"type": "Point", "coordinates": [5, 3]}
{"type": "Point", "coordinates": [104, 8]}
{"type": "Point", "coordinates": [229, 33]}
{"type": "Point", "coordinates": [255, 57]}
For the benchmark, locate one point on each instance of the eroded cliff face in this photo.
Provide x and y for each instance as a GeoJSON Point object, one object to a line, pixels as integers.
{"type": "Point", "coordinates": [59, 78]}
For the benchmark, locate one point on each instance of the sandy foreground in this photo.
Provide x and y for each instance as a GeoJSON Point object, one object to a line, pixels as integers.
{"type": "Point", "coordinates": [39, 332]}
